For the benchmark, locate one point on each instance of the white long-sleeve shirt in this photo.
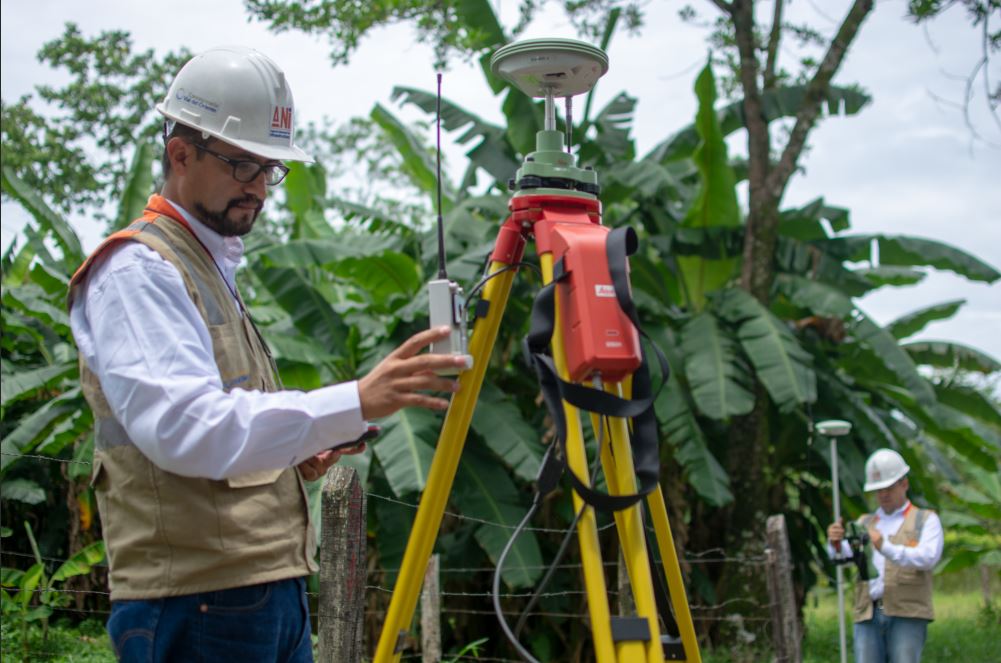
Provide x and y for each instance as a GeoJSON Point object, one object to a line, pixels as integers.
{"type": "Point", "coordinates": [924, 555]}
{"type": "Point", "coordinates": [143, 337]}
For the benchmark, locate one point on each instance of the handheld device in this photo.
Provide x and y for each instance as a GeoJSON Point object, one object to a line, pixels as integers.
{"type": "Point", "coordinates": [371, 432]}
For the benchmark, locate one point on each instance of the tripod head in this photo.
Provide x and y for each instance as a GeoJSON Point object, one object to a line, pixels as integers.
{"type": "Point", "coordinates": [547, 69]}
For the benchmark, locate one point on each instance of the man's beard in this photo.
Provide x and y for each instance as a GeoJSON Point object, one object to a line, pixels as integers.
{"type": "Point", "coordinates": [220, 221]}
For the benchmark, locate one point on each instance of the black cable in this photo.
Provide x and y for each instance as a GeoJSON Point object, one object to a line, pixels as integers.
{"type": "Point", "coordinates": [567, 536]}
{"type": "Point", "coordinates": [506, 268]}
{"type": "Point", "coordinates": [497, 578]}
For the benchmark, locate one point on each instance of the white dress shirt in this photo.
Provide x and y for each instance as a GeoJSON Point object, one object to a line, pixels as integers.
{"type": "Point", "coordinates": [924, 555]}
{"type": "Point", "coordinates": [143, 337]}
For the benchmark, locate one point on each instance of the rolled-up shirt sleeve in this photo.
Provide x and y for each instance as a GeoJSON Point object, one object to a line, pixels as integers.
{"type": "Point", "coordinates": [141, 334]}
{"type": "Point", "coordinates": [926, 554]}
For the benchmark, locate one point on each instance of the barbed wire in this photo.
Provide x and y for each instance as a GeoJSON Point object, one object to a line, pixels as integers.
{"type": "Point", "coordinates": [459, 516]}
{"type": "Point", "coordinates": [50, 458]}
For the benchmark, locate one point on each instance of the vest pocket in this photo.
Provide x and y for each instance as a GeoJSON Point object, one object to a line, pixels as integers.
{"type": "Point", "coordinates": [260, 515]}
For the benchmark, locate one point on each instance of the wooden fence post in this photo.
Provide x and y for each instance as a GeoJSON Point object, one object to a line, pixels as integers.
{"type": "Point", "coordinates": [785, 623]}
{"type": "Point", "coordinates": [431, 613]}
{"type": "Point", "coordinates": [342, 568]}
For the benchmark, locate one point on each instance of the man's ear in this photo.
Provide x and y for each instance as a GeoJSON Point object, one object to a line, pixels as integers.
{"type": "Point", "coordinates": [180, 152]}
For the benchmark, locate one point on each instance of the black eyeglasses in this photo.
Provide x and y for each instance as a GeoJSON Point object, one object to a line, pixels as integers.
{"type": "Point", "coordinates": [245, 170]}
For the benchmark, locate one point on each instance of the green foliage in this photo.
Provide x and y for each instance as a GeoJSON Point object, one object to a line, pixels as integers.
{"type": "Point", "coordinates": [107, 103]}
{"type": "Point", "coordinates": [32, 595]}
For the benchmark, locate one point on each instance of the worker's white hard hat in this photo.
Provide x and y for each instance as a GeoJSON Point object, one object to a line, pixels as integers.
{"type": "Point", "coordinates": [883, 469]}
{"type": "Point", "coordinates": [239, 96]}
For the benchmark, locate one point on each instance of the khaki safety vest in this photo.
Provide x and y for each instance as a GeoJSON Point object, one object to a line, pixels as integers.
{"type": "Point", "coordinates": [907, 592]}
{"type": "Point", "coordinates": [170, 535]}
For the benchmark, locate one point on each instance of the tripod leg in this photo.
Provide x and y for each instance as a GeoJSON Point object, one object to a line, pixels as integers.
{"type": "Point", "coordinates": [619, 473]}
{"type": "Point", "coordinates": [672, 569]}
{"type": "Point", "coordinates": [587, 528]}
{"type": "Point", "coordinates": [443, 467]}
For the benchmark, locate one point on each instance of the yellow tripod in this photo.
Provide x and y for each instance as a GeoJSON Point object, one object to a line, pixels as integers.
{"type": "Point", "coordinates": [539, 211]}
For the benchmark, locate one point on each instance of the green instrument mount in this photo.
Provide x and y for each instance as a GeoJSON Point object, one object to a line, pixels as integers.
{"type": "Point", "coordinates": [547, 69]}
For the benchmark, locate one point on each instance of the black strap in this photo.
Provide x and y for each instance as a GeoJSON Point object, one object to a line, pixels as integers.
{"type": "Point", "coordinates": [620, 243]}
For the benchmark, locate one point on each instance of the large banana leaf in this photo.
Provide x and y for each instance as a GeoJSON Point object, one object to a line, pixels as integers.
{"type": "Point", "coordinates": [862, 414]}
{"type": "Point", "coordinates": [944, 354]}
{"type": "Point", "coordinates": [418, 164]}
{"type": "Point", "coordinates": [611, 143]}
{"type": "Point", "coordinates": [780, 363]}
{"type": "Point", "coordinates": [23, 383]}
{"type": "Point", "coordinates": [311, 314]}
{"type": "Point", "coordinates": [825, 300]}
{"type": "Point", "coordinates": [778, 103]}
{"type": "Point", "coordinates": [716, 202]}
{"type": "Point", "coordinates": [483, 490]}
{"type": "Point", "coordinates": [377, 222]}
{"type": "Point", "coordinates": [388, 280]}
{"type": "Point", "coordinates": [325, 252]}
{"type": "Point", "coordinates": [912, 323]}
{"type": "Point", "coordinates": [46, 217]}
{"type": "Point", "coordinates": [951, 427]}
{"type": "Point", "coordinates": [719, 380]}
{"type": "Point", "coordinates": [33, 302]}
{"type": "Point", "coordinates": [674, 412]}
{"type": "Point", "coordinates": [970, 402]}
{"type": "Point", "coordinates": [34, 428]}
{"type": "Point", "coordinates": [395, 522]}
{"type": "Point", "coordinates": [500, 424]}
{"type": "Point", "coordinates": [492, 153]}
{"type": "Point", "coordinates": [905, 251]}
{"type": "Point", "coordinates": [894, 358]}
{"type": "Point", "coordinates": [138, 185]}
{"type": "Point", "coordinates": [305, 192]}
{"type": "Point", "coordinates": [406, 447]}
{"type": "Point", "coordinates": [890, 275]}
{"type": "Point", "coordinates": [807, 259]}
{"type": "Point", "coordinates": [806, 223]}
{"type": "Point", "coordinates": [22, 490]}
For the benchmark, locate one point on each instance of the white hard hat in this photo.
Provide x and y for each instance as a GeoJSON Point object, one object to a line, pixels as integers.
{"type": "Point", "coordinates": [884, 468]}
{"type": "Point", "coordinates": [239, 96]}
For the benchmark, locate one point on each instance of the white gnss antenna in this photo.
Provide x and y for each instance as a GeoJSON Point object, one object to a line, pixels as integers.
{"type": "Point", "coordinates": [447, 305]}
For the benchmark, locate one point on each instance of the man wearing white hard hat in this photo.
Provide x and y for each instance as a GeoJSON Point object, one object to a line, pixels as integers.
{"type": "Point", "coordinates": [892, 610]}
{"type": "Point", "coordinates": [200, 455]}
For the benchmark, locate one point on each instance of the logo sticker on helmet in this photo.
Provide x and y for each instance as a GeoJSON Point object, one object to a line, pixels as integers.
{"type": "Point", "coordinates": [281, 122]}
{"type": "Point", "coordinates": [196, 101]}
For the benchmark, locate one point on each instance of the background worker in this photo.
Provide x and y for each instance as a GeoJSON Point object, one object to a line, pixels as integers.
{"type": "Point", "coordinates": [892, 610]}
{"type": "Point", "coordinates": [200, 456]}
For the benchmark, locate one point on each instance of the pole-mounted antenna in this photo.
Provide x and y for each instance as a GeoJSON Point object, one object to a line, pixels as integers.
{"type": "Point", "coordinates": [442, 272]}
{"type": "Point", "coordinates": [446, 305]}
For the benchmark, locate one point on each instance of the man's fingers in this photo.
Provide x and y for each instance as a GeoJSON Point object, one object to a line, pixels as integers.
{"type": "Point", "coordinates": [421, 340]}
{"type": "Point", "coordinates": [428, 363]}
{"type": "Point", "coordinates": [430, 382]}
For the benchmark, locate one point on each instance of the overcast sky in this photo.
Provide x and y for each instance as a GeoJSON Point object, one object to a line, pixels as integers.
{"type": "Point", "coordinates": [908, 164]}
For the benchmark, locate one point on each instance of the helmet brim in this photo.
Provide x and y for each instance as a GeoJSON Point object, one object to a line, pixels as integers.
{"type": "Point", "coordinates": [262, 150]}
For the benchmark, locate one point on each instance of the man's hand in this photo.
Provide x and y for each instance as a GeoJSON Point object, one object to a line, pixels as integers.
{"type": "Point", "coordinates": [876, 537]}
{"type": "Point", "coordinates": [317, 466]}
{"type": "Point", "coordinates": [835, 533]}
{"type": "Point", "coordinates": [398, 380]}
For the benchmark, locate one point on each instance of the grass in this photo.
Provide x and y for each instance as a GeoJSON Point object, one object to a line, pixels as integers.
{"type": "Point", "coordinates": [963, 629]}
{"type": "Point", "coordinates": [963, 632]}
{"type": "Point", "coordinates": [85, 642]}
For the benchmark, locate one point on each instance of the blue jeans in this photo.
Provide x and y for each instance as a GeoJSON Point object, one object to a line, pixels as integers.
{"type": "Point", "coordinates": [885, 639]}
{"type": "Point", "coordinates": [268, 622]}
